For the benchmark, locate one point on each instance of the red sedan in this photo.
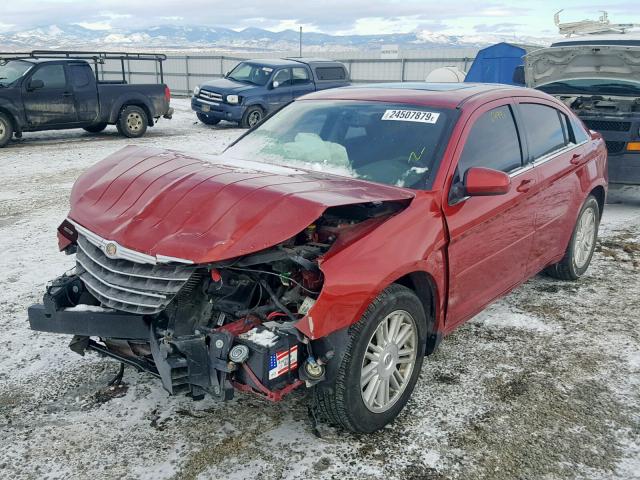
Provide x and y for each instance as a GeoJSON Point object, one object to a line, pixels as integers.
{"type": "Point", "coordinates": [332, 247]}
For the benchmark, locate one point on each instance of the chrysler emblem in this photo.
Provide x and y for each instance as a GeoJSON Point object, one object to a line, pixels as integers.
{"type": "Point", "coordinates": [111, 249]}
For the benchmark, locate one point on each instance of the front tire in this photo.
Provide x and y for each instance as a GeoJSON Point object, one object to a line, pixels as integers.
{"type": "Point", "coordinates": [252, 117]}
{"type": "Point", "coordinates": [6, 130]}
{"type": "Point", "coordinates": [578, 256]}
{"type": "Point", "coordinates": [381, 364]}
{"type": "Point", "coordinates": [97, 128]}
{"type": "Point", "coordinates": [207, 120]}
{"type": "Point", "coordinates": [133, 122]}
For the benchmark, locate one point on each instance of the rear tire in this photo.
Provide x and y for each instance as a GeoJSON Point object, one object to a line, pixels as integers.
{"type": "Point", "coordinates": [381, 364]}
{"type": "Point", "coordinates": [132, 122]}
{"type": "Point", "coordinates": [578, 256]}
{"type": "Point", "coordinates": [97, 128]}
{"type": "Point", "coordinates": [252, 117]}
{"type": "Point", "coordinates": [6, 130]}
{"type": "Point", "coordinates": [207, 120]}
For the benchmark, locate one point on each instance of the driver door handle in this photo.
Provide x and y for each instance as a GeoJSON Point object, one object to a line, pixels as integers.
{"type": "Point", "coordinates": [525, 185]}
{"type": "Point", "coordinates": [576, 159]}
{"type": "Point", "coordinates": [67, 94]}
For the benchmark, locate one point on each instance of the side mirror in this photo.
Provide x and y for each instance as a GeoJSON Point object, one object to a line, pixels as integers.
{"type": "Point", "coordinates": [482, 182]}
{"type": "Point", "coordinates": [275, 84]}
{"type": "Point", "coordinates": [518, 75]}
{"type": "Point", "coordinates": [35, 85]}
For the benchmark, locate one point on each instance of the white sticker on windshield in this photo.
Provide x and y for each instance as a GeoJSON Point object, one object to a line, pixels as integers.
{"type": "Point", "coordinates": [411, 116]}
{"type": "Point", "coordinates": [267, 69]}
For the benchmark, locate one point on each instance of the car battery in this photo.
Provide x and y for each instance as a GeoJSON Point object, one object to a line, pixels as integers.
{"type": "Point", "coordinates": [273, 357]}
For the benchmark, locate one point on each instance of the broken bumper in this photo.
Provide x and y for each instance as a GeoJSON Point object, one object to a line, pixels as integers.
{"type": "Point", "coordinates": [90, 324]}
{"type": "Point", "coordinates": [195, 364]}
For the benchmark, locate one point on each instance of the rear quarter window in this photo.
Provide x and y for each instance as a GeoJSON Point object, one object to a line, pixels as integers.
{"type": "Point", "coordinates": [579, 133]}
{"type": "Point", "coordinates": [331, 73]}
{"type": "Point", "coordinates": [544, 128]}
{"type": "Point", "coordinates": [80, 75]}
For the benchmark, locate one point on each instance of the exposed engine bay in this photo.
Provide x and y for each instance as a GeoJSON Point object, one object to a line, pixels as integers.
{"type": "Point", "coordinates": [206, 328]}
{"type": "Point", "coordinates": [600, 104]}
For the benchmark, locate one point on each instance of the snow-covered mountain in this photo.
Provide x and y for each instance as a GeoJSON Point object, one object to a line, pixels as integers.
{"type": "Point", "coordinates": [250, 39]}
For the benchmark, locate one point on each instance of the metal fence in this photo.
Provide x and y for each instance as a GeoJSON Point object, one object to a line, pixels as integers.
{"type": "Point", "coordinates": [184, 72]}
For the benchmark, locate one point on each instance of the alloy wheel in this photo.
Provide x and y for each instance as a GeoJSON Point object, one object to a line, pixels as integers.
{"type": "Point", "coordinates": [585, 237]}
{"type": "Point", "coordinates": [389, 361]}
{"type": "Point", "coordinates": [254, 118]}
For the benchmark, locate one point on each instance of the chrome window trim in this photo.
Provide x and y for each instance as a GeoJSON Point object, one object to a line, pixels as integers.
{"type": "Point", "coordinates": [124, 252]}
{"type": "Point", "coordinates": [555, 153]}
{"type": "Point", "coordinates": [524, 168]}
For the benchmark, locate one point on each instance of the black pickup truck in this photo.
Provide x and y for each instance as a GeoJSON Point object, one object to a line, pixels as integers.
{"type": "Point", "coordinates": [51, 93]}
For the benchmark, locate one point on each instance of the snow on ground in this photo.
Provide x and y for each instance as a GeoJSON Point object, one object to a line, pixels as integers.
{"type": "Point", "coordinates": [544, 384]}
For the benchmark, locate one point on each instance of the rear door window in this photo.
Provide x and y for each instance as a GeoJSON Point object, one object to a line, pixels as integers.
{"type": "Point", "coordinates": [492, 143]}
{"type": "Point", "coordinates": [544, 128]}
{"type": "Point", "coordinates": [51, 75]}
{"type": "Point", "coordinates": [300, 76]}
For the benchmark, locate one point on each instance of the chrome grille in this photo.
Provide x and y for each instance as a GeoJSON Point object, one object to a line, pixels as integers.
{"type": "Point", "coordinates": [211, 96]}
{"type": "Point", "coordinates": [129, 286]}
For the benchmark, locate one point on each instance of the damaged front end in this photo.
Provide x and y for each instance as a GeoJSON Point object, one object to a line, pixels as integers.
{"type": "Point", "coordinates": [204, 328]}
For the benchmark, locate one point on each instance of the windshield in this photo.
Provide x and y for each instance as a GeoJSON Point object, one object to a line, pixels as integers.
{"type": "Point", "coordinates": [249, 73]}
{"type": "Point", "coordinates": [388, 143]}
{"type": "Point", "coordinates": [12, 71]}
{"type": "Point", "coordinates": [593, 86]}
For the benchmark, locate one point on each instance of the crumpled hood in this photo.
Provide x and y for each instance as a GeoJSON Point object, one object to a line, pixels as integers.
{"type": "Point", "coordinates": [162, 202]}
{"type": "Point", "coordinates": [224, 85]}
{"type": "Point", "coordinates": [555, 64]}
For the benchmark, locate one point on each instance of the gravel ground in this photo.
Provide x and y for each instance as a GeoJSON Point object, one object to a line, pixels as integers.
{"type": "Point", "coordinates": [543, 384]}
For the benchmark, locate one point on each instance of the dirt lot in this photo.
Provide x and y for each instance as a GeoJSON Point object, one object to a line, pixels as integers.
{"type": "Point", "coordinates": [544, 384]}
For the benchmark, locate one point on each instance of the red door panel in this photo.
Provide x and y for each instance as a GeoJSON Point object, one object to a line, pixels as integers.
{"type": "Point", "coordinates": [560, 191]}
{"type": "Point", "coordinates": [489, 249]}
{"type": "Point", "coordinates": [490, 237]}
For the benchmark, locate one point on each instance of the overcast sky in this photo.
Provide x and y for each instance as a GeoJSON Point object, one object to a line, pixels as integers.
{"type": "Point", "coordinates": [330, 16]}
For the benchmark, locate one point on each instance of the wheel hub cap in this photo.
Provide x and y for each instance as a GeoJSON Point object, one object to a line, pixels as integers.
{"type": "Point", "coordinates": [254, 118]}
{"type": "Point", "coordinates": [585, 238]}
{"type": "Point", "coordinates": [134, 121]}
{"type": "Point", "coordinates": [388, 362]}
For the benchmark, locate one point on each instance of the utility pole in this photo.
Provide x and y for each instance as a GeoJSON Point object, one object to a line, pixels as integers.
{"type": "Point", "coordinates": [300, 41]}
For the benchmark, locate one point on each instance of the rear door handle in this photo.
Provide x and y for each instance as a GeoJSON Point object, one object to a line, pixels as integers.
{"type": "Point", "coordinates": [67, 94]}
{"type": "Point", "coordinates": [525, 185]}
{"type": "Point", "coordinates": [576, 159]}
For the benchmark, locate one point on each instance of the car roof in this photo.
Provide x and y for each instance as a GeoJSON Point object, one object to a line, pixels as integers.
{"type": "Point", "coordinates": [289, 62]}
{"type": "Point", "coordinates": [273, 62]}
{"type": "Point", "coordinates": [446, 95]}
